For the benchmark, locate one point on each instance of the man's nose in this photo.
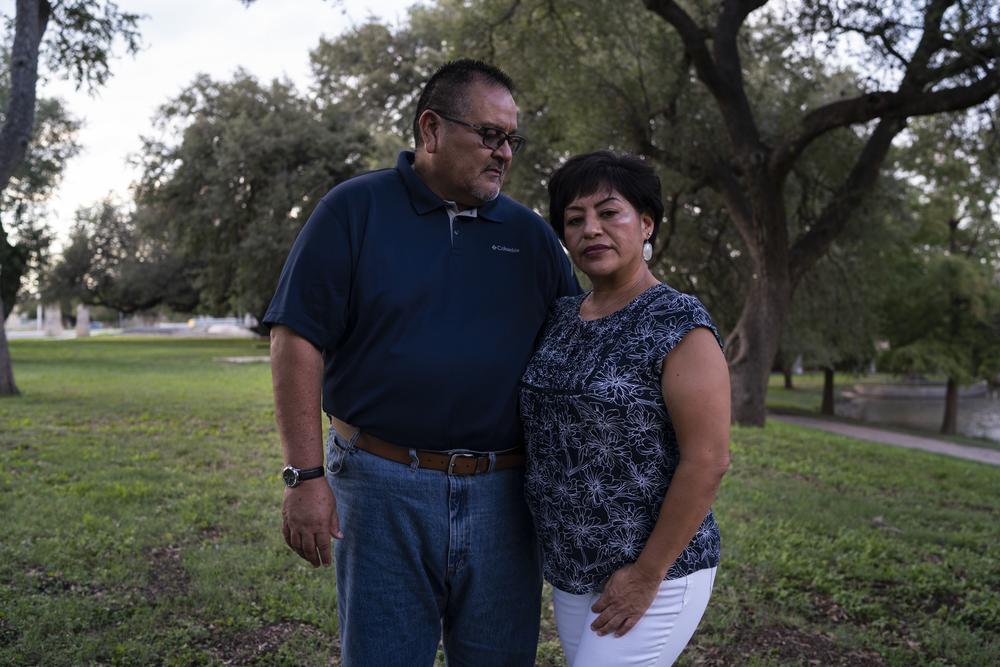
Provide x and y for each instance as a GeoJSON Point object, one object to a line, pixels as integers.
{"type": "Point", "coordinates": [504, 152]}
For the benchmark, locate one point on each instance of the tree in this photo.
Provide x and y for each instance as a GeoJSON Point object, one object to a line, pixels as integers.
{"type": "Point", "coordinates": [79, 46]}
{"type": "Point", "coordinates": [943, 313]}
{"type": "Point", "coordinates": [107, 263]}
{"type": "Point", "coordinates": [944, 317]}
{"type": "Point", "coordinates": [374, 74]}
{"type": "Point", "coordinates": [834, 317]}
{"type": "Point", "coordinates": [944, 55]}
{"type": "Point", "coordinates": [232, 194]}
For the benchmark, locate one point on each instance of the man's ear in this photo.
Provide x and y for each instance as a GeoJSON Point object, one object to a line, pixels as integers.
{"type": "Point", "coordinates": [430, 127]}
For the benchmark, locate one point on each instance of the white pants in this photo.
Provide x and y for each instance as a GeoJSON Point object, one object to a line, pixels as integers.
{"type": "Point", "coordinates": [655, 641]}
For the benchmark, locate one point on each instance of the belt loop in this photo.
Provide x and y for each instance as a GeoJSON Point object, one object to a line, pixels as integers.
{"type": "Point", "coordinates": [493, 461]}
{"type": "Point", "coordinates": [414, 461]}
{"type": "Point", "coordinates": [354, 438]}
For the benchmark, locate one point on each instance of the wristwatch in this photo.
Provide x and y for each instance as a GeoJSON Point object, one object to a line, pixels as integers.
{"type": "Point", "coordinates": [293, 476]}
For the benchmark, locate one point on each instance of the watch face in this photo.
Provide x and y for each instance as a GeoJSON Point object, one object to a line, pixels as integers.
{"type": "Point", "coordinates": [290, 475]}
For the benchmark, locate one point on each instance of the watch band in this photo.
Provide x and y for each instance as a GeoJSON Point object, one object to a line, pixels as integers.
{"type": "Point", "coordinates": [311, 473]}
{"type": "Point", "coordinates": [293, 476]}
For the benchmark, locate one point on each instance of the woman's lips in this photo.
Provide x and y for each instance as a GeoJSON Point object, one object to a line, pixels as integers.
{"type": "Point", "coordinates": [595, 250]}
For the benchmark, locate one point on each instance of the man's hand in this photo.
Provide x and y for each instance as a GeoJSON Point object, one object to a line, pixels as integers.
{"type": "Point", "coordinates": [309, 520]}
{"type": "Point", "coordinates": [626, 596]}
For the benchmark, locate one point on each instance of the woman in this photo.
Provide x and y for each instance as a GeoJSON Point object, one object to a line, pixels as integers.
{"type": "Point", "coordinates": [625, 407]}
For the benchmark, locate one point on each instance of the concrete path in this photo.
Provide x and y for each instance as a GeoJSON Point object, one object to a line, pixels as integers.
{"type": "Point", "coordinates": [981, 454]}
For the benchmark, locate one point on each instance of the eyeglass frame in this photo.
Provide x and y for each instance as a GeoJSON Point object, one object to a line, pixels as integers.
{"type": "Point", "coordinates": [482, 129]}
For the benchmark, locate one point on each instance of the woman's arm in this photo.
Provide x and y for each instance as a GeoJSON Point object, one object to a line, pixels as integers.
{"type": "Point", "coordinates": [695, 385]}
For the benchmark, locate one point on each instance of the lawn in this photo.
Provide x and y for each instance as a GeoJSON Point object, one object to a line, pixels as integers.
{"type": "Point", "coordinates": [141, 498]}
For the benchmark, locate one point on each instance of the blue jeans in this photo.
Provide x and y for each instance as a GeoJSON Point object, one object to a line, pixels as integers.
{"type": "Point", "coordinates": [425, 552]}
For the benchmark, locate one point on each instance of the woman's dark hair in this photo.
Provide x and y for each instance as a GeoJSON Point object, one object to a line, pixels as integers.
{"type": "Point", "coordinates": [446, 89]}
{"type": "Point", "coordinates": [583, 175]}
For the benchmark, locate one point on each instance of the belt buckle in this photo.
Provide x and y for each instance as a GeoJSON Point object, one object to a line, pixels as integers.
{"type": "Point", "coordinates": [455, 455]}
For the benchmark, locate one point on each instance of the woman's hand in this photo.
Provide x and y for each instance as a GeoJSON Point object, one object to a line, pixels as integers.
{"type": "Point", "coordinates": [626, 596]}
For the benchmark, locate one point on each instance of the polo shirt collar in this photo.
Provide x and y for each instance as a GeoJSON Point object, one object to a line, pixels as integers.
{"type": "Point", "coordinates": [425, 201]}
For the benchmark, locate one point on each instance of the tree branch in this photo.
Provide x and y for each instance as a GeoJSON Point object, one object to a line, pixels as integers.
{"type": "Point", "coordinates": [721, 71]}
{"type": "Point", "coordinates": [930, 41]}
{"type": "Point", "coordinates": [493, 25]}
{"type": "Point", "coordinates": [912, 98]}
{"type": "Point", "coordinates": [981, 55]}
{"type": "Point", "coordinates": [812, 244]}
{"type": "Point", "coordinates": [694, 39]}
{"type": "Point", "coordinates": [864, 108]}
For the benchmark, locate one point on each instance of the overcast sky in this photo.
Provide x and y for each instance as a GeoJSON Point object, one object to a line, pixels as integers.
{"type": "Point", "coordinates": [181, 38]}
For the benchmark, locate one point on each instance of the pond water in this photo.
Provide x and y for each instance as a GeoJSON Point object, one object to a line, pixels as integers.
{"type": "Point", "coordinates": [978, 416]}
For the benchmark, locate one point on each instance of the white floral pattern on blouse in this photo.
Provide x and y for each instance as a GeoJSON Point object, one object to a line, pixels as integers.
{"type": "Point", "coordinates": [601, 446]}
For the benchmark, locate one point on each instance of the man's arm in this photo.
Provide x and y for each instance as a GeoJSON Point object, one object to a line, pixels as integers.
{"type": "Point", "coordinates": [309, 513]}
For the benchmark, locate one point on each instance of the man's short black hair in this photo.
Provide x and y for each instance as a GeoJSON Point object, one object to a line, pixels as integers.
{"type": "Point", "coordinates": [583, 175]}
{"type": "Point", "coordinates": [445, 90]}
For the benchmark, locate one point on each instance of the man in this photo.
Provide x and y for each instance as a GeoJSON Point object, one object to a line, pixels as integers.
{"type": "Point", "coordinates": [413, 297]}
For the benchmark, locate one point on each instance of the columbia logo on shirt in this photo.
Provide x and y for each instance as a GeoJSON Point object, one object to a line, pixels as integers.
{"type": "Point", "coordinates": [503, 248]}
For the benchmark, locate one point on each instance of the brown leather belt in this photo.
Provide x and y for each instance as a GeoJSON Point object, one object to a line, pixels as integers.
{"type": "Point", "coordinates": [453, 462]}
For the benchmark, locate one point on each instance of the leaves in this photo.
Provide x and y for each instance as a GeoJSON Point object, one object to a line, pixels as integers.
{"type": "Point", "coordinates": [80, 41]}
{"type": "Point", "coordinates": [231, 191]}
{"type": "Point", "coordinates": [108, 263]}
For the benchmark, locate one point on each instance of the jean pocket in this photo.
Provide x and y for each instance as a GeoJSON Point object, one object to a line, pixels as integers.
{"type": "Point", "coordinates": [337, 450]}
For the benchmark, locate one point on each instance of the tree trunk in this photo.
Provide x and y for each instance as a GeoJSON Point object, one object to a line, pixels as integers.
{"type": "Point", "coordinates": [7, 386]}
{"type": "Point", "coordinates": [753, 344]}
{"type": "Point", "coordinates": [827, 407]}
{"type": "Point", "coordinates": [787, 372]}
{"type": "Point", "coordinates": [29, 25]}
{"type": "Point", "coordinates": [949, 424]}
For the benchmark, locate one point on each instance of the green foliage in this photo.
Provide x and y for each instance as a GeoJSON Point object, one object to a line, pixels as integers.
{"type": "Point", "coordinates": [941, 311]}
{"type": "Point", "coordinates": [138, 480]}
{"type": "Point", "coordinates": [82, 35]}
{"type": "Point", "coordinates": [834, 318]}
{"type": "Point", "coordinates": [231, 194]}
{"type": "Point", "coordinates": [106, 263]}
{"type": "Point", "coordinates": [374, 74]}
{"type": "Point", "coordinates": [943, 315]}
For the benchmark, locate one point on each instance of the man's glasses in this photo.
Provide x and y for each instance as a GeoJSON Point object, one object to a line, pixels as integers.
{"type": "Point", "coordinates": [492, 137]}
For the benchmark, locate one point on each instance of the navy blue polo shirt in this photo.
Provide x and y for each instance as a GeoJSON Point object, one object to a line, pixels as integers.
{"type": "Point", "coordinates": [425, 323]}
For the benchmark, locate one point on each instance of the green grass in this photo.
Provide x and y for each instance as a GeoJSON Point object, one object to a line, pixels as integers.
{"type": "Point", "coordinates": [140, 498]}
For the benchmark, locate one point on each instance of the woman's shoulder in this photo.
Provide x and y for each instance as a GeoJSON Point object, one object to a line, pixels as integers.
{"type": "Point", "coordinates": [679, 312]}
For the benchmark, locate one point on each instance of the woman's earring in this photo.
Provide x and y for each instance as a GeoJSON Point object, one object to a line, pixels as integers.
{"type": "Point", "coordinates": [647, 250]}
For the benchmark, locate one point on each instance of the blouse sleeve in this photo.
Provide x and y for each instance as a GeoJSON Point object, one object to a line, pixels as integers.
{"type": "Point", "coordinates": [674, 317]}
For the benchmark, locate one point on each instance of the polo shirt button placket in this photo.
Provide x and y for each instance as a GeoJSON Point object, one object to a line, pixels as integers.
{"type": "Point", "coordinates": [456, 231]}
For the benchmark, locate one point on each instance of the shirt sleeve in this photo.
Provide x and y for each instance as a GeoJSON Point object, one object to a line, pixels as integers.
{"type": "Point", "coordinates": [315, 285]}
{"type": "Point", "coordinates": [566, 282]}
{"type": "Point", "coordinates": [675, 316]}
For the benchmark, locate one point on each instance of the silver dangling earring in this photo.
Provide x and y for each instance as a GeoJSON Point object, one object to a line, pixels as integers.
{"type": "Point", "coordinates": [647, 250]}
